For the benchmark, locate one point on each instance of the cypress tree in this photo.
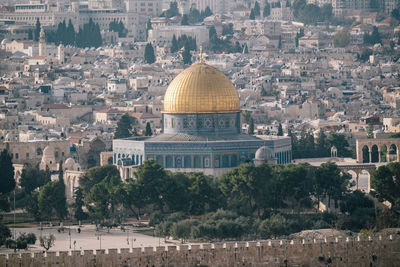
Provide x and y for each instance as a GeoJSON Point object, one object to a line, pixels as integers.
{"type": "Point", "coordinates": [37, 30]}
{"type": "Point", "coordinates": [7, 181]}
{"type": "Point", "coordinates": [148, 131]}
{"type": "Point", "coordinates": [256, 9]}
{"type": "Point", "coordinates": [174, 46]}
{"type": "Point", "coordinates": [149, 54]}
{"type": "Point", "coordinates": [267, 10]}
{"type": "Point", "coordinates": [186, 56]}
{"type": "Point", "coordinates": [252, 15]}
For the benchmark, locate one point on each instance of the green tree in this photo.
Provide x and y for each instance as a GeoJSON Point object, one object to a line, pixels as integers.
{"type": "Point", "coordinates": [385, 181]}
{"type": "Point", "coordinates": [186, 56]}
{"type": "Point", "coordinates": [310, 14]}
{"type": "Point", "coordinates": [174, 46]}
{"type": "Point", "coordinates": [149, 56]}
{"type": "Point", "coordinates": [203, 193]}
{"type": "Point", "coordinates": [322, 147]}
{"type": "Point", "coordinates": [280, 130]}
{"type": "Point", "coordinates": [148, 131]}
{"type": "Point", "coordinates": [341, 38]}
{"type": "Point", "coordinates": [185, 20]}
{"type": "Point", "coordinates": [227, 29]}
{"type": "Point", "coordinates": [207, 12]}
{"type": "Point", "coordinates": [251, 126]}
{"type": "Point", "coordinates": [296, 185]}
{"type": "Point", "coordinates": [150, 176]}
{"type": "Point", "coordinates": [172, 11]}
{"type": "Point", "coordinates": [70, 32]}
{"type": "Point", "coordinates": [194, 16]}
{"type": "Point", "coordinates": [79, 214]}
{"type": "Point", "coordinates": [33, 178]}
{"type": "Point", "coordinates": [326, 12]}
{"type": "Point", "coordinates": [124, 127]}
{"type": "Point", "coordinates": [33, 207]}
{"type": "Point", "coordinates": [7, 184]}
{"type": "Point", "coordinates": [249, 189]}
{"type": "Point", "coordinates": [329, 182]}
{"type": "Point", "coordinates": [130, 194]}
{"type": "Point", "coordinates": [47, 241]}
{"type": "Point", "coordinates": [51, 201]}
{"type": "Point", "coordinates": [252, 15]}
{"type": "Point", "coordinates": [212, 32]}
{"type": "Point", "coordinates": [256, 9]}
{"type": "Point", "coordinates": [95, 175]}
{"type": "Point", "coordinates": [340, 142]}
{"type": "Point", "coordinates": [176, 192]}
{"type": "Point", "coordinates": [7, 181]}
{"type": "Point", "coordinates": [395, 13]}
{"type": "Point", "coordinates": [267, 10]}
{"type": "Point", "coordinates": [103, 197]}
{"type": "Point", "coordinates": [37, 30]}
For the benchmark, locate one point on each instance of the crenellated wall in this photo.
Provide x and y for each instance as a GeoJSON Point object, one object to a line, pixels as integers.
{"type": "Point", "coordinates": [333, 252]}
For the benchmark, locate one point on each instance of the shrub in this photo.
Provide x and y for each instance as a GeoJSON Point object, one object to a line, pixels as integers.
{"type": "Point", "coordinates": [31, 238]}
{"type": "Point", "coordinates": [182, 229]}
{"type": "Point", "coordinates": [22, 244]}
{"type": "Point", "coordinates": [11, 243]}
{"type": "Point", "coordinates": [276, 225]}
{"type": "Point", "coordinates": [156, 218]}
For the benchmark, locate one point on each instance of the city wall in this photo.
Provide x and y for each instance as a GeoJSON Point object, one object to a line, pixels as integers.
{"type": "Point", "coordinates": [332, 252]}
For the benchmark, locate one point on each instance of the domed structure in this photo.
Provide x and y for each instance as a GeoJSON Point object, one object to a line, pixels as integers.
{"type": "Point", "coordinates": [48, 159]}
{"type": "Point", "coordinates": [201, 88]}
{"type": "Point", "coordinates": [264, 154]}
{"type": "Point", "coordinates": [201, 129]}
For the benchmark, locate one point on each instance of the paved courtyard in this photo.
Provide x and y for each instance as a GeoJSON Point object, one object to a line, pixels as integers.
{"type": "Point", "coordinates": [89, 238]}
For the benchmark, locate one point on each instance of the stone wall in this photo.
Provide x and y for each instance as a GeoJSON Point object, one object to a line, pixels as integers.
{"type": "Point", "coordinates": [331, 252]}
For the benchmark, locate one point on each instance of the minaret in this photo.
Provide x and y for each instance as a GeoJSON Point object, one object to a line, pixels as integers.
{"type": "Point", "coordinates": [61, 54]}
{"type": "Point", "coordinates": [42, 43]}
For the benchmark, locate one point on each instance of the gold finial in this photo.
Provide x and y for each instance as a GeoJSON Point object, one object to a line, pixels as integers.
{"type": "Point", "coordinates": [201, 54]}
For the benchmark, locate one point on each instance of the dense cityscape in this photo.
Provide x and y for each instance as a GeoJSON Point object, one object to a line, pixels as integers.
{"type": "Point", "coordinates": [198, 125]}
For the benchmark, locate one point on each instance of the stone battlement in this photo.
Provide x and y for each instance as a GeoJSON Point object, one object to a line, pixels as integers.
{"type": "Point", "coordinates": [361, 251]}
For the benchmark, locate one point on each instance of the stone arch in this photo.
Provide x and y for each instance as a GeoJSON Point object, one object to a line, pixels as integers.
{"type": "Point", "coordinates": [374, 154]}
{"type": "Point", "coordinates": [383, 153]}
{"type": "Point", "coordinates": [365, 154]}
{"type": "Point", "coordinates": [364, 180]}
{"type": "Point", "coordinates": [392, 153]}
{"type": "Point", "coordinates": [354, 178]}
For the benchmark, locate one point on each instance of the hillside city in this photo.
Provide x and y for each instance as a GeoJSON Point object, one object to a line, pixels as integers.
{"type": "Point", "coordinates": [197, 120]}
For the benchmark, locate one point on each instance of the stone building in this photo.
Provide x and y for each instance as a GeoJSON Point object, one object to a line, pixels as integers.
{"type": "Point", "coordinates": [201, 129]}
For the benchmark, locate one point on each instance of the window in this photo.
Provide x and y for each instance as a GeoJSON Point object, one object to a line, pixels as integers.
{"type": "Point", "coordinates": [16, 156]}
{"type": "Point", "coordinates": [27, 155]}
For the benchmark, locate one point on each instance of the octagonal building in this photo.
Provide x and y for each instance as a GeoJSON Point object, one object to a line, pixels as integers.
{"type": "Point", "coordinates": [201, 129]}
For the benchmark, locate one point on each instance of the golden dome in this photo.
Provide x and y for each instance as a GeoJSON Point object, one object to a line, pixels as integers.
{"type": "Point", "coordinates": [201, 89]}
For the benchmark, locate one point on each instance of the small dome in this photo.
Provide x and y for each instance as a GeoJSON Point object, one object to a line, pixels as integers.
{"type": "Point", "coordinates": [264, 153]}
{"type": "Point", "coordinates": [201, 88]}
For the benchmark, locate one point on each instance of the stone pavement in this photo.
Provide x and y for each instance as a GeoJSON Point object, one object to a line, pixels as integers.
{"type": "Point", "coordinates": [90, 239]}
